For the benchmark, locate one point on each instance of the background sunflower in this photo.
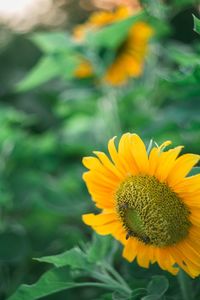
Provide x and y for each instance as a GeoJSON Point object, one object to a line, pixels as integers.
{"type": "Point", "coordinates": [130, 54]}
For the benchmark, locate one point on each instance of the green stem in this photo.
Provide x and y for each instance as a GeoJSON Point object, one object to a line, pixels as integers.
{"type": "Point", "coordinates": [110, 282]}
{"type": "Point", "coordinates": [103, 278]}
{"type": "Point", "coordinates": [108, 104]}
{"type": "Point", "coordinates": [118, 277]}
{"type": "Point", "coordinates": [108, 286]}
{"type": "Point", "coordinates": [96, 284]}
{"type": "Point", "coordinates": [185, 286]}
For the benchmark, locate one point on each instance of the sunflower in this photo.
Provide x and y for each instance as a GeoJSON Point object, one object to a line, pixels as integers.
{"type": "Point", "coordinates": [84, 69]}
{"type": "Point", "coordinates": [147, 203]}
{"type": "Point", "coordinates": [97, 20]}
{"type": "Point", "coordinates": [129, 61]}
{"type": "Point", "coordinates": [130, 56]}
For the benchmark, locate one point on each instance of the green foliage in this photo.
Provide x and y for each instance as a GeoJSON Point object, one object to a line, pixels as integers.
{"type": "Point", "coordinates": [194, 171]}
{"type": "Point", "coordinates": [49, 67]}
{"type": "Point", "coordinates": [196, 24]}
{"type": "Point", "coordinates": [59, 59]}
{"type": "Point", "coordinates": [75, 258]}
{"type": "Point", "coordinates": [45, 70]}
{"type": "Point", "coordinates": [51, 282]}
{"type": "Point", "coordinates": [156, 288]}
{"type": "Point", "coordinates": [101, 271]}
{"type": "Point", "coordinates": [60, 278]}
{"type": "Point", "coordinates": [54, 42]}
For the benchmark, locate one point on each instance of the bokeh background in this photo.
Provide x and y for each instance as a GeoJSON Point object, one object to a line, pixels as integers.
{"type": "Point", "coordinates": [50, 120]}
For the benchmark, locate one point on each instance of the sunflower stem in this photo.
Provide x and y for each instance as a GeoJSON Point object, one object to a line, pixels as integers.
{"type": "Point", "coordinates": [185, 286]}
{"type": "Point", "coordinates": [108, 104]}
{"type": "Point", "coordinates": [118, 277]}
{"type": "Point", "coordinates": [106, 279]}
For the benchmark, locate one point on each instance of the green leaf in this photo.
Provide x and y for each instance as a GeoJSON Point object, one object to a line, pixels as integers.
{"type": "Point", "coordinates": [99, 248]}
{"type": "Point", "coordinates": [51, 282]}
{"type": "Point", "coordinates": [183, 56]}
{"type": "Point", "coordinates": [157, 286]}
{"type": "Point", "coordinates": [45, 70]}
{"type": "Point", "coordinates": [107, 36]}
{"type": "Point", "coordinates": [54, 280]}
{"type": "Point", "coordinates": [74, 258]}
{"type": "Point", "coordinates": [155, 8]}
{"type": "Point", "coordinates": [52, 42]}
{"type": "Point", "coordinates": [196, 24]}
{"type": "Point", "coordinates": [48, 68]}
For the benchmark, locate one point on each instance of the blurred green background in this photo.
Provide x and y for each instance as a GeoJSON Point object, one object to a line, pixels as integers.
{"type": "Point", "coordinates": [47, 126]}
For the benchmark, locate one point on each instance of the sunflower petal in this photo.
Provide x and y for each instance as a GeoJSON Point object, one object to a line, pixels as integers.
{"type": "Point", "coordinates": [166, 163]}
{"type": "Point", "coordinates": [140, 154]}
{"type": "Point", "coordinates": [130, 249]}
{"type": "Point", "coordinates": [143, 258]}
{"type": "Point", "coordinates": [115, 157]}
{"type": "Point", "coordinates": [104, 223]}
{"type": "Point", "coordinates": [181, 168]}
{"type": "Point", "coordinates": [189, 184]}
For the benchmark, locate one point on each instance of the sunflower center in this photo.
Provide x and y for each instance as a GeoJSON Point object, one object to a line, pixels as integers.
{"type": "Point", "coordinates": [151, 211]}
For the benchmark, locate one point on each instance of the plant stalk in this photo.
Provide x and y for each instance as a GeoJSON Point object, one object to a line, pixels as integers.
{"type": "Point", "coordinates": [185, 284]}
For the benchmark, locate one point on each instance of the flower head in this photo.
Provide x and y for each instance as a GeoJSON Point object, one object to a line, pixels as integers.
{"type": "Point", "coordinates": [100, 19]}
{"type": "Point", "coordinates": [84, 69]}
{"type": "Point", "coordinates": [130, 56]}
{"type": "Point", "coordinates": [147, 203]}
{"type": "Point", "coordinates": [129, 61]}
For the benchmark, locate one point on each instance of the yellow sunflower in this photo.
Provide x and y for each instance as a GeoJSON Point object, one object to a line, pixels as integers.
{"type": "Point", "coordinates": [129, 61]}
{"type": "Point", "coordinates": [130, 57]}
{"type": "Point", "coordinates": [84, 69]}
{"type": "Point", "coordinates": [100, 19]}
{"type": "Point", "coordinates": [147, 203]}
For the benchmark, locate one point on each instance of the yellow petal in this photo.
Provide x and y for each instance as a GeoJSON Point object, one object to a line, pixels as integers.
{"type": "Point", "coordinates": [153, 161]}
{"type": "Point", "coordinates": [107, 164]}
{"type": "Point", "coordinates": [166, 163]}
{"type": "Point", "coordinates": [181, 168]}
{"type": "Point", "coordinates": [130, 249]}
{"type": "Point", "coordinates": [100, 219]}
{"type": "Point", "coordinates": [99, 180]}
{"type": "Point", "coordinates": [105, 229]}
{"type": "Point", "coordinates": [143, 256]}
{"type": "Point", "coordinates": [140, 154]}
{"type": "Point", "coordinates": [189, 184]}
{"type": "Point", "coordinates": [195, 217]}
{"type": "Point", "coordinates": [164, 145]}
{"type": "Point", "coordinates": [181, 262]}
{"type": "Point", "coordinates": [115, 157]}
{"type": "Point", "coordinates": [124, 149]}
{"type": "Point", "coordinates": [104, 223]}
{"type": "Point", "coordinates": [165, 261]}
{"type": "Point", "coordinates": [102, 165]}
{"type": "Point", "coordinates": [190, 252]}
{"type": "Point", "coordinates": [155, 156]}
{"type": "Point", "coordinates": [193, 199]}
{"type": "Point", "coordinates": [120, 235]}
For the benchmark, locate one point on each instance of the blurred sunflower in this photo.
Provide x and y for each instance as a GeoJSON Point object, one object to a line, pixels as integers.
{"type": "Point", "coordinates": [147, 203]}
{"type": "Point", "coordinates": [108, 4]}
{"type": "Point", "coordinates": [84, 69]}
{"type": "Point", "coordinates": [100, 19]}
{"type": "Point", "coordinates": [130, 56]}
